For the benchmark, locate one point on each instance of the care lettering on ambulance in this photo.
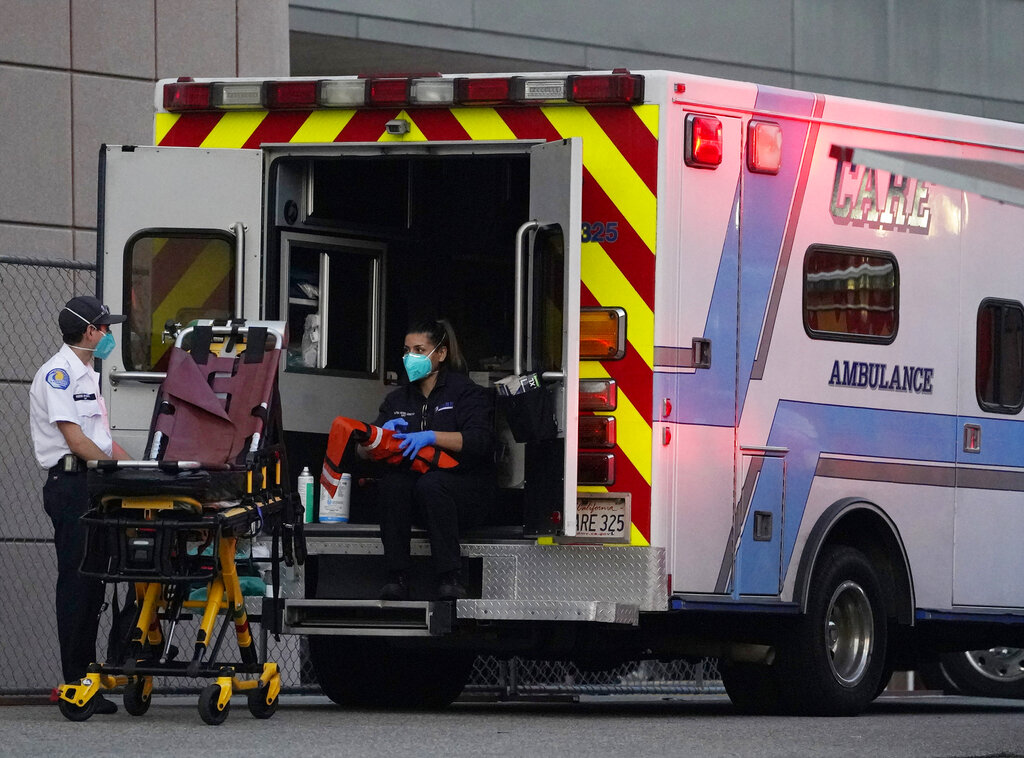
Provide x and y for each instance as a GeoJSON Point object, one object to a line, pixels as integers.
{"type": "Point", "coordinates": [878, 376]}
{"type": "Point", "coordinates": [867, 197]}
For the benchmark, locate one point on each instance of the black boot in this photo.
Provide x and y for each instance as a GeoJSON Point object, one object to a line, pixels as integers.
{"type": "Point", "coordinates": [397, 587]}
{"type": "Point", "coordinates": [449, 586]}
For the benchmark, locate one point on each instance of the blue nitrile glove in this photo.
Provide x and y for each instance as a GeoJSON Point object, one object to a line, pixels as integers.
{"type": "Point", "coordinates": [413, 442]}
{"type": "Point", "coordinates": [396, 424]}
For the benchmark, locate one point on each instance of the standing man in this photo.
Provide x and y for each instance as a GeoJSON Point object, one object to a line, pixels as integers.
{"type": "Point", "coordinates": [68, 419]}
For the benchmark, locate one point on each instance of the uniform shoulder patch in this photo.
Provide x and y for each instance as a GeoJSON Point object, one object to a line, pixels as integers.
{"type": "Point", "coordinates": [58, 379]}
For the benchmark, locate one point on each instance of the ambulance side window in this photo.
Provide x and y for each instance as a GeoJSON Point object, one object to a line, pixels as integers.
{"type": "Point", "coordinates": [850, 295]}
{"type": "Point", "coordinates": [173, 276]}
{"type": "Point", "coordinates": [999, 366]}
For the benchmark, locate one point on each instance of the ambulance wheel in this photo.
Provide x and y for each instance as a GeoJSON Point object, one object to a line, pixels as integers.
{"type": "Point", "coordinates": [209, 707]}
{"type": "Point", "coordinates": [135, 702]}
{"type": "Point", "coordinates": [752, 688]}
{"type": "Point", "coordinates": [994, 672]}
{"type": "Point", "coordinates": [376, 673]}
{"type": "Point", "coordinates": [73, 712]}
{"type": "Point", "coordinates": [258, 705]}
{"type": "Point", "coordinates": [833, 662]}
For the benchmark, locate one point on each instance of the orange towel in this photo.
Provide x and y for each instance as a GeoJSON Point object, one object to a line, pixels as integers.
{"type": "Point", "coordinates": [380, 444]}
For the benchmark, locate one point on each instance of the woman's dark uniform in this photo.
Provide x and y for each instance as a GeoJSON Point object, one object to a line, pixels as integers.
{"type": "Point", "coordinates": [445, 502]}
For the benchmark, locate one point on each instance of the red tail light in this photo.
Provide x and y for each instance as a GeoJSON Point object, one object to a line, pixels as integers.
{"type": "Point", "coordinates": [764, 147]}
{"type": "Point", "coordinates": [703, 141]}
{"type": "Point", "coordinates": [186, 96]}
{"type": "Point", "coordinates": [595, 468]}
{"type": "Point", "coordinates": [597, 431]}
{"type": "Point", "coordinates": [482, 91]}
{"type": "Point", "coordinates": [598, 395]}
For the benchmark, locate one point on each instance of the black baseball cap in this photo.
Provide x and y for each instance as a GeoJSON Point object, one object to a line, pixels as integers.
{"type": "Point", "coordinates": [83, 310]}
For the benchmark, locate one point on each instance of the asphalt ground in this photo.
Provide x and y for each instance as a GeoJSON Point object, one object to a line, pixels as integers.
{"type": "Point", "coordinates": [699, 725]}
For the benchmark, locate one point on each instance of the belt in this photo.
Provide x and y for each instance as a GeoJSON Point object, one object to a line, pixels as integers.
{"type": "Point", "coordinates": [69, 464]}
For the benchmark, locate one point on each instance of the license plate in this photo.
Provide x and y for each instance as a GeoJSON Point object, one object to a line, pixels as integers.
{"type": "Point", "coordinates": [602, 517]}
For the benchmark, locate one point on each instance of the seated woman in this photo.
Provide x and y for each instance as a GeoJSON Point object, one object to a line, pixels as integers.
{"type": "Point", "coordinates": [440, 406]}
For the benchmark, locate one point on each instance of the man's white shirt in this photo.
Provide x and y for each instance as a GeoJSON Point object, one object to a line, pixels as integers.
{"type": "Point", "coordinates": [65, 389]}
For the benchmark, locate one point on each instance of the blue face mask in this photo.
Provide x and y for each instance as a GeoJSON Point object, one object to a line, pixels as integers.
{"type": "Point", "coordinates": [105, 346]}
{"type": "Point", "coordinates": [417, 365]}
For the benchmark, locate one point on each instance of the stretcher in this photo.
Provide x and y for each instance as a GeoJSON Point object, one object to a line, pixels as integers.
{"type": "Point", "coordinates": [169, 526]}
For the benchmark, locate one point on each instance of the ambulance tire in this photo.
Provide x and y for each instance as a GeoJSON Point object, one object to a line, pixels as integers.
{"type": "Point", "coordinates": [995, 672]}
{"type": "Point", "coordinates": [374, 673]}
{"type": "Point", "coordinates": [753, 689]}
{"type": "Point", "coordinates": [833, 663]}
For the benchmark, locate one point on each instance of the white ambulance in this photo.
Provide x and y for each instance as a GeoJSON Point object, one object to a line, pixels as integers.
{"type": "Point", "coordinates": [783, 334]}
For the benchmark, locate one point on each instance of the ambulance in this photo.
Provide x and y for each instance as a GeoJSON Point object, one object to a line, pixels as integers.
{"type": "Point", "coordinates": [778, 338]}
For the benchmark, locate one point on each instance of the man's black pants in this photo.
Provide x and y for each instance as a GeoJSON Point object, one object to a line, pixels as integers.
{"type": "Point", "coordinates": [442, 501]}
{"type": "Point", "coordinates": [79, 599]}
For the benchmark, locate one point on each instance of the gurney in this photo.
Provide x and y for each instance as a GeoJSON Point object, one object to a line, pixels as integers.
{"type": "Point", "coordinates": [214, 473]}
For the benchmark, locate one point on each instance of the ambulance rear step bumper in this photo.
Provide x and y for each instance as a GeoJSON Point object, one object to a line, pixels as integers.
{"type": "Point", "coordinates": [549, 610]}
{"type": "Point", "coordinates": [368, 617]}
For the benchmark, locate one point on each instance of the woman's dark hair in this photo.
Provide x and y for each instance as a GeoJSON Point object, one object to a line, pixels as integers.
{"type": "Point", "coordinates": [442, 333]}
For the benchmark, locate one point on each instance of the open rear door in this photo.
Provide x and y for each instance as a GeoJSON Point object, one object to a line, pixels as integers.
{"type": "Point", "coordinates": [180, 233]}
{"type": "Point", "coordinates": [548, 319]}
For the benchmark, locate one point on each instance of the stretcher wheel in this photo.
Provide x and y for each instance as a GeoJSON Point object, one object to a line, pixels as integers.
{"type": "Point", "coordinates": [73, 712]}
{"type": "Point", "coordinates": [134, 701]}
{"type": "Point", "coordinates": [209, 710]}
{"type": "Point", "coordinates": [258, 705]}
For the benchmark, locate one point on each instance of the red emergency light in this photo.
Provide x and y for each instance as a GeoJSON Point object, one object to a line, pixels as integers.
{"type": "Point", "coordinates": [597, 431]}
{"type": "Point", "coordinates": [704, 147]}
{"type": "Point", "coordinates": [389, 92]}
{"type": "Point", "coordinates": [284, 95]}
{"type": "Point", "coordinates": [764, 147]}
{"type": "Point", "coordinates": [491, 91]}
{"type": "Point", "coordinates": [595, 468]}
{"type": "Point", "coordinates": [186, 96]}
{"type": "Point", "coordinates": [617, 87]}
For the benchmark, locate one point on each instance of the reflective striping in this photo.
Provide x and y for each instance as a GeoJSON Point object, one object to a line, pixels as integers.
{"type": "Point", "coordinates": [439, 124]}
{"type": "Point", "coordinates": [415, 134]}
{"type": "Point", "coordinates": [162, 125]}
{"type": "Point", "coordinates": [233, 129]}
{"type": "Point", "coordinates": [190, 129]}
{"type": "Point", "coordinates": [366, 126]}
{"type": "Point", "coordinates": [611, 170]}
{"type": "Point", "coordinates": [276, 127]}
{"type": "Point", "coordinates": [608, 284]}
{"type": "Point", "coordinates": [648, 114]}
{"type": "Point", "coordinates": [633, 139]}
{"type": "Point", "coordinates": [483, 124]}
{"type": "Point", "coordinates": [322, 126]}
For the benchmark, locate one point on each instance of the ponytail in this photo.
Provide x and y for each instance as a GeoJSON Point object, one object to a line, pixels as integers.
{"type": "Point", "coordinates": [441, 333]}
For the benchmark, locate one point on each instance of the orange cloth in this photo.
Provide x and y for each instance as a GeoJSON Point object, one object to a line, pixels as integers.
{"type": "Point", "coordinates": [380, 444]}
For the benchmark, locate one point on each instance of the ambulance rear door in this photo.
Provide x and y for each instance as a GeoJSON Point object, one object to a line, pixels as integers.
{"type": "Point", "coordinates": [180, 231]}
{"type": "Point", "coordinates": [548, 326]}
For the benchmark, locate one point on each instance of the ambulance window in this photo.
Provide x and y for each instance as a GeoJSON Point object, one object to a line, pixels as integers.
{"type": "Point", "coordinates": [850, 295]}
{"type": "Point", "coordinates": [999, 372]}
{"type": "Point", "coordinates": [173, 276]}
{"type": "Point", "coordinates": [333, 304]}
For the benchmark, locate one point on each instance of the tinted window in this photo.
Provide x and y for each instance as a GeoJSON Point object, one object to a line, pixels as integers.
{"type": "Point", "coordinates": [850, 295]}
{"type": "Point", "coordinates": [1000, 356]}
{"type": "Point", "coordinates": [172, 276]}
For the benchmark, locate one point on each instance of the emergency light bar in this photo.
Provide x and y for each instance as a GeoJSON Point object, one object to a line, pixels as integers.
{"type": "Point", "coordinates": [619, 87]}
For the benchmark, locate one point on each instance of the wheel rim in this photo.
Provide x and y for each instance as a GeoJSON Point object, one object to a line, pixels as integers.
{"type": "Point", "coordinates": [849, 630]}
{"type": "Point", "coordinates": [1002, 664]}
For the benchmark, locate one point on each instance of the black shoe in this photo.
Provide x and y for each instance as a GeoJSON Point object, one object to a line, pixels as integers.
{"type": "Point", "coordinates": [104, 707]}
{"type": "Point", "coordinates": [397, 587]}
{"type": "Point", "coordinates": [449, 587]}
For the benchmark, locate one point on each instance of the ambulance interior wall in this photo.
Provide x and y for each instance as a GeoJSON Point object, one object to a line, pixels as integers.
{"type": "Point", "coordinates": [447, 224]}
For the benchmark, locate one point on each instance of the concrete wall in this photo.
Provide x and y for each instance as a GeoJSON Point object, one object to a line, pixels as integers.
{"type": "Point", "coordinates": [77, 73]}
{"type": "Point", "coordinates": [965, 56]}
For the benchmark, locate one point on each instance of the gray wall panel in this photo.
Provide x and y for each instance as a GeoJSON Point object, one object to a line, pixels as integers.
{"type": "Point", "coordinates": [262, 39]}
{"type": "Point", "coordinates": [35, 241]}
{"type": "Point", "coordinates": [823, 30]}
{"type": "Point", "coordinates": [21, 500]}
{"type": "Point", "coordinates": [1005, 50]}
{"type": "Point", "coordinates": [177, 53]}
{"type": "Point", "coordinates": [927, 55]}
{"type": "Point", "coordinates": [113, 38]}
{"type": "Point", "coordinates": [34, 38]}
{"type": "Point", "coordinates": [35, 172]}
{"type": "Point", "coordinates": [30, 653]}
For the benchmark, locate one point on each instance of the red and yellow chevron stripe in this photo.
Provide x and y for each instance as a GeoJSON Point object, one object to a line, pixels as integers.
{"type": "Point", "coordinates": [620, 161]}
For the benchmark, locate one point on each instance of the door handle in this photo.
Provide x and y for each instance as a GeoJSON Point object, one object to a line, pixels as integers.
{"type": "Point", "coordinates": [520, 287]}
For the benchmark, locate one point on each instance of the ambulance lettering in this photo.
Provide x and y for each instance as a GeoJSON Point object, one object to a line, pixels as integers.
{"type": "Point", "coordinates": [878, 376]}
{"type": "Point", "coordinates": [899, 204]}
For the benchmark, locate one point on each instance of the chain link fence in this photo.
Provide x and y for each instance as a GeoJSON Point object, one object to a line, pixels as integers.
{"type": "Point", "coordinates": [33, 292]}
